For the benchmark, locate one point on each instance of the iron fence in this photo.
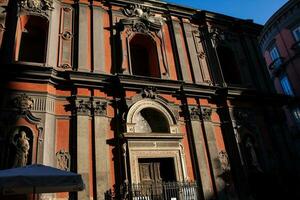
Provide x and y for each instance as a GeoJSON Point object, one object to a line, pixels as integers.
{"type": "Point", "coordinates": [157, 191]}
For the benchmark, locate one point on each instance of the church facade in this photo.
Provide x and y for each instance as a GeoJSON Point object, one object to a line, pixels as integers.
{"type": "Point", "coordinates": [145, 99]}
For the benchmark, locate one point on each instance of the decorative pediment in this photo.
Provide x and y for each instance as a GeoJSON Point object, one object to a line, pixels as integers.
{"type": "Point", "coordinates": [140, 19]}
{"type": "Point", "coordinates": [36, 6]}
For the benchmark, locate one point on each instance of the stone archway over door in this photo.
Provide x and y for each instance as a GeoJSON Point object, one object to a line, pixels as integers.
{"type": "Point", "coordinates": [154, 143]}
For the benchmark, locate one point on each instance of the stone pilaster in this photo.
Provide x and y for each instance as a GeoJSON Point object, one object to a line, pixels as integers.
{"type": "Point", "coordinates": [201, 153]}
{"type": "Point", "coordinates": [98, 40]}
{"type": "Point", "coordinates": [83, 108]}
{"type": "Point", "coordinates": [101, 148]}
{"type": "Point", "coordinates": [83, 38]}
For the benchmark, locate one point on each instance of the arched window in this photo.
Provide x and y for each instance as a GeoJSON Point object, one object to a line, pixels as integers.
{"type": "Point", "coordinates": [229, 66]}
{"type": "Point", "coordinates": [143, 56]}
{"type": "Point", "coordinates": [150, 120]}
{"type": "Point", "coordinates": [31, 42]}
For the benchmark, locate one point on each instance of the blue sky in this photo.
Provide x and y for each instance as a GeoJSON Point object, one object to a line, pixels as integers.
{"type": "Point", "coordinates": [258, 10]}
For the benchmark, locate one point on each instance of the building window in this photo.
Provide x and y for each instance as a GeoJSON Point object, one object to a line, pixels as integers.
{"type": "Point", "coordinates": [296, 115]}
{"type": "Point", "coordinates": [296, 33]}
{"type": "Point", "coordinates": [31, 41]}
{"type": "Point", "coordinates": [230, 70]}
{"type": "Point", "coordinates": [275, 56]}
{"type": "Point", "coordinates": [143, 56]}
{"type": "Point", "coordinates": [286, 86]}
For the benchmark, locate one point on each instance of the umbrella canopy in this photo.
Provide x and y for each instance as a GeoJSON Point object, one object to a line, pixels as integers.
{"type": "Point", "coordinates": [39, 179]}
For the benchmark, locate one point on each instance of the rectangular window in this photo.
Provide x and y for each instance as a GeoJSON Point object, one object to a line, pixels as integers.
{"type": "Point", "coordinates": [275, 56]}
{"type": "Point", "coordinates": [296, 33]}
{"type": "Point", "coordinates": [296, 114]}
{"type": "Point", "coordinates": [286, 86]}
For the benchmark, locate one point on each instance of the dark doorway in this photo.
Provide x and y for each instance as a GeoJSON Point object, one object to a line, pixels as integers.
{"type": "Point", "coordinates": [155, 170]}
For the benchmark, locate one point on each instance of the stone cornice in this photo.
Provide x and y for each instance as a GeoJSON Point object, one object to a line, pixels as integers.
{"type": "Point", "coordinates": [69, 79]}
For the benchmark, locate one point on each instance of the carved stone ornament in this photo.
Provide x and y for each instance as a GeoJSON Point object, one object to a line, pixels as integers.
{"type": "Point", "coordinates": [39, 6]}
{"type": "Point", "coordinates": [100, 108]}
{"type": "Point", "coordinates": [65, 66]}
{"type": "Point", "coordinates": [149, 92]}
{"type": "Point", "coordinates": [206, 114]}
{"type": "Point", "coordinates": [216, 35]}
{"type": "Point", "coordinates": [67, 35]}
{"type": "Point", "coordinates": [140, 19]}
{"type": "Point", "coordinates": [225, 165]}
{"type": "Point", "coordinates": [63, 159]}
{"type": "Point", "coordinates": [224, 160]}
{"type": "Point", "coordinates": [23, 103]}
{"type": "Point", "coordinates": [195, 113]}
{"type": "Point", "coordinates": [136, 10]}
{"type": "Point", "coordinates": [83, 107]}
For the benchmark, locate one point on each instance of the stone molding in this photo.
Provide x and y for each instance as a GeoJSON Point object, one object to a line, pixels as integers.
{"type": "Point", "coordinates": [150, 103]}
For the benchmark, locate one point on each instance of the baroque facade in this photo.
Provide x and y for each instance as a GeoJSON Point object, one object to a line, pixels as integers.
{"type": "Point", "coordinates": [137, 93]}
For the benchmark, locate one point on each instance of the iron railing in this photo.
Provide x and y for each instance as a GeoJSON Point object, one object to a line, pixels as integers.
{"type": "Point", "coordinates": [157, 191]}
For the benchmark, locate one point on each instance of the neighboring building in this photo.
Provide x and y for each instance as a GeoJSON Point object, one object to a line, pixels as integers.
{"type": "Point", "coordinates": [280, 44]}
{"type": "Point", "coordinates": [137, 93]}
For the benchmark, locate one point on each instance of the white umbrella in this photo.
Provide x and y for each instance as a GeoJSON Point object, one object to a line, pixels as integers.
{"type": "Point", "coordinates": [38, 179]}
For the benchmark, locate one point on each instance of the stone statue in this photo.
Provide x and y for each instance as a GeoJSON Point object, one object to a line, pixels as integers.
{"type": "Point", "coordinates": [252, 154]}
{"type": "Point", "coordinates": [22, 149]}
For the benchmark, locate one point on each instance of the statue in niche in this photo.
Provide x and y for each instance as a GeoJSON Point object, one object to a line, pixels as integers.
{"type": "Point", "coordinates": [252, 157]}
{"type": "Point", "coordinates": [22, 150]}
{"type": "Point", "coordinates": [142, 126]}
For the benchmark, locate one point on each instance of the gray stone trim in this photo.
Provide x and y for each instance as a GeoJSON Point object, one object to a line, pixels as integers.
{"type": "Point", "coordinates": [98, 40]}
{"type": "Point", "coordinates": [194, 59]}
{"type": "Point", "coordinates": [102, 165]}
{"type": "Point", "coordinates": [83, 162]}
{"type": "Point", "coordinates": [179, 44]}
{"type": "Point", "coordinates": [83, 37]}
{"type": "Point", "coordinates": [201, 157]}
{"type": "Point", "coordinates": [53, 40]}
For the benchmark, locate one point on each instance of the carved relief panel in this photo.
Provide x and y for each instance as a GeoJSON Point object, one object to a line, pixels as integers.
{"type": "Point", "coordinates": [66, 38]}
